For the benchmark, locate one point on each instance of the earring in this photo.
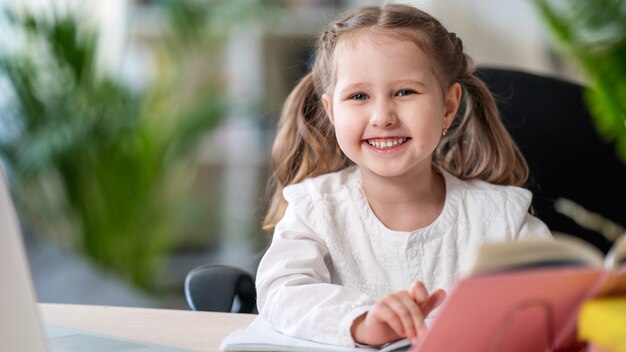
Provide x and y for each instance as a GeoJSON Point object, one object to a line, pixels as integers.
{"type": "Point", "coordinates": [444, 132]}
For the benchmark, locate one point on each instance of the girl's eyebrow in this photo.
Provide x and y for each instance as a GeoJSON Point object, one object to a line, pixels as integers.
{"type": "Point", "coordinates": [356, 85]}
{"type": "Point", "coordinates": [411, 81]}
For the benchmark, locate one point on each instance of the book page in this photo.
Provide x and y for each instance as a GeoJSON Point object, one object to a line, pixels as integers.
{"type": "Point", "coordinates": [617, 255]}
{"type": "Point", "coordinates": [502, 256]}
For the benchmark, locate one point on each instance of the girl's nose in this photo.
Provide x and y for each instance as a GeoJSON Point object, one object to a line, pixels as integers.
{"type": "Point", "coordinates": [383, 115]}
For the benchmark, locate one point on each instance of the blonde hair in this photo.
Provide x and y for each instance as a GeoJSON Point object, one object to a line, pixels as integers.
{"type": "Point", "coordinates": [476, 146]}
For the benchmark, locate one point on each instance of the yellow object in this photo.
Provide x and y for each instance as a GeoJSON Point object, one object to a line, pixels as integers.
{"type": "Point", "coordinates": [603, 323]}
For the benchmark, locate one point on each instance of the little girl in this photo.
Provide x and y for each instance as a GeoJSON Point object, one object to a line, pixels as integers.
{"type": "Point", "coordinates": [382, 189]}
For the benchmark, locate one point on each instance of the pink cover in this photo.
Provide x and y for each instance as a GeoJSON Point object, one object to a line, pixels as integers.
{"type": "Point", "coordinates": [526, 310]}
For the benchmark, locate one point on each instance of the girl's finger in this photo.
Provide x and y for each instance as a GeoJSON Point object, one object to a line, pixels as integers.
{"type": "Point", "coordinates": [433, 301]}
{"type": "Point", "coordinates": [418, 291]}
{"type": "Point", "coordinates": [408, 312]}
{"type": "Point", "coordinates": [382, 312]}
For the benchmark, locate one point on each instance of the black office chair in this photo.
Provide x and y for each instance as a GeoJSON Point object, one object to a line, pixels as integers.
{"type": "Point", "coordinates": [220, 288]}
{"type": "Point", "coordinates": [551, 124]}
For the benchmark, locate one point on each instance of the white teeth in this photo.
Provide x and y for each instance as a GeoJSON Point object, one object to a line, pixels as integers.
{"type": "Point", "coordinates": [384, 144]}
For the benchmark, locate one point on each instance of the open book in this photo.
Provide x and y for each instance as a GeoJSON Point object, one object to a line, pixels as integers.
{"type": "Point", "coordinates": [525, 296]}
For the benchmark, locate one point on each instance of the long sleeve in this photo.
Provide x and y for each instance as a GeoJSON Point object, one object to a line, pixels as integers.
{"type": "Point", "coordinates": [295, 293]}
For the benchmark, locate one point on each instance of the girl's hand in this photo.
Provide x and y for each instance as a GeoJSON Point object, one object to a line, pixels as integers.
{"type": "Point", "coordinates": [397, 315]}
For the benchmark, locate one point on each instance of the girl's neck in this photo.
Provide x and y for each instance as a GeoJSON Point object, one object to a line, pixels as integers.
{"type": "Point", "coordinates": [406, 204]}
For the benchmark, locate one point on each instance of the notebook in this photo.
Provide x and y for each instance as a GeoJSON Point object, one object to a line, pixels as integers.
{"type": "Point", "coordinates": [260, 336]}
{"type": "Point", "coordinates": [20, 323]}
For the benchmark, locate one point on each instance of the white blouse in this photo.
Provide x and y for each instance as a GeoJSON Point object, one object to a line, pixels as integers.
{"type": "Point", "coordinates": [331, 258]}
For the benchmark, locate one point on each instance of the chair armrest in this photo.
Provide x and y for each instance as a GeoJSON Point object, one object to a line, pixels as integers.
{"type": "Point", "coordinates": [215, 288]}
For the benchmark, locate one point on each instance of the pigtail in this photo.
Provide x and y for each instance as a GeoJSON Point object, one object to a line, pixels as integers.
{"type": "Point", "coordinates": [305, 146]}
{"type": "Point", "coordinates": [479, 146]}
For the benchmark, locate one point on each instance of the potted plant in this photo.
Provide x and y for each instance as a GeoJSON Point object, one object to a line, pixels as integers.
{"type": "Point", "coordinates": [103, 168]}
{"type": "Point", "coordinates": [593, 35]}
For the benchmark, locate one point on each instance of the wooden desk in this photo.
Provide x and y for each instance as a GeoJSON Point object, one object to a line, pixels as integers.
{"type": "Point", "coordinates": [198, 331]}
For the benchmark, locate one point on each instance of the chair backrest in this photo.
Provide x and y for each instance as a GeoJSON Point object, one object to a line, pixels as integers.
{"type": "Point", "coordinates": [551, 124]}
{"type": "Point", "coordinates": [220, 288]}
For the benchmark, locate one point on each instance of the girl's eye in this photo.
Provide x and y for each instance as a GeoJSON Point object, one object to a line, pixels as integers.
{"type": "Point", "coordinates": [404, 92]}
{"type": "Point", "coordinates": [358, 96]}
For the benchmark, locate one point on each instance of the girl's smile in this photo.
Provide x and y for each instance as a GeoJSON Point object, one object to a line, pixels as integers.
{"type": "Point", "coordinates": [387, 145]}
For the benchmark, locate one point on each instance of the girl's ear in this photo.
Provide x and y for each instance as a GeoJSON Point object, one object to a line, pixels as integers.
{"type": "Point", "coordinates": [453, 100]}
{"type": "Point", "coordinates": [328, 108]}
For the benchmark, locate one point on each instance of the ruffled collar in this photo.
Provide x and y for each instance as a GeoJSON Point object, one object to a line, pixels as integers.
{"type": "Point", "coordinates": [438, 227]}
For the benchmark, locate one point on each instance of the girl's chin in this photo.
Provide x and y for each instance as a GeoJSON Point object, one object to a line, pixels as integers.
{"type": "Point", "coordinates": [394, 170]}
{"type": "Point", "coordinates": [385, 172]}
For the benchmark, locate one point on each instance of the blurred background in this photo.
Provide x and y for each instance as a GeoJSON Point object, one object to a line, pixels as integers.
{"type": "Point", "coordinates": [136, 134]}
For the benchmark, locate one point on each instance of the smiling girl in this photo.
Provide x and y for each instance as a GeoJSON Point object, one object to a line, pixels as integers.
{"type": "Point", "coordinates": [391, 165]}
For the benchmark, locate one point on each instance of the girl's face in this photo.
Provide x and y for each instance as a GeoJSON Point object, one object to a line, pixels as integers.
{"type": "Point", "coordinates": [387, 107]}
